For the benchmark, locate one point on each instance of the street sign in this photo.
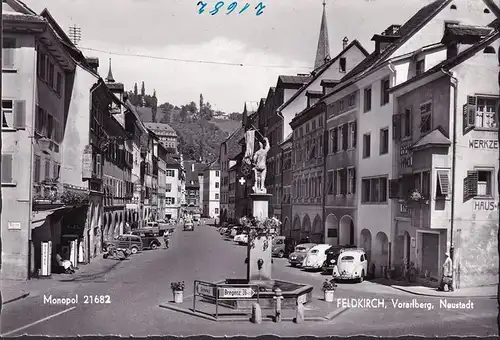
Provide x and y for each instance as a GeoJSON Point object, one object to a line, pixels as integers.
{"type": "Point", "coordinates": [205, 289]}
{"type": "Point", "coordinates": [236, 292]}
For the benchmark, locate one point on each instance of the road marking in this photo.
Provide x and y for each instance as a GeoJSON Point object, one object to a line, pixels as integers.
{"type": "Point", "coordinates": [37, 322]}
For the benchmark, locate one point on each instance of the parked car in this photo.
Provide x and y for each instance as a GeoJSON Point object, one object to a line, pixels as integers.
{"type": "Point", "coordinates": [243, 240]}
{"type": "Point", "coordinates": [333, 253]}
{"type": "Point", "coordinates": [279, 246]}
{"type": "Point", "coordinates": [297, 257]}
{"type": "Point", "coordinates": [238, 238]}
{"type": "Point", "coordinates": [236, 231]}
{"type": "Point", "coordinates": [315, 257]}
{"type": "Point", "coordinates": [149, 239]}
{"type": "Point", "coordinates": [131, 242]}
{"type": "Point", "coordinates": [189, 226]}
{"type": "Point", "coordinates": [222, 230]}
{"type": "Point", "coordinates": [351, 265]}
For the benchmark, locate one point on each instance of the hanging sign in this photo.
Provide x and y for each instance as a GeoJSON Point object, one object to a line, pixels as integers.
{"type": "Point", "coordinates": [87, 163]}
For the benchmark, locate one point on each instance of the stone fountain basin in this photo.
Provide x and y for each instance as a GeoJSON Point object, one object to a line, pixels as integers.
{"type": "Point", "coordinates": [291, 291]}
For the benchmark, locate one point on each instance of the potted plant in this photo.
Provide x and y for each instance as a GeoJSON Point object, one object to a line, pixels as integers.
{"type": "Point", "coordinates": [329, 289]}
{"type": "Point", "coordinates": [178, 290]}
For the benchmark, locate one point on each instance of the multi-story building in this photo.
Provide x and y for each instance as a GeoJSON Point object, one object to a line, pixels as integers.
{"type": "Point", "coordinates": [444, 168]}
{"type": "Point", "coordinates": [162, 179]}
{"type": "Point", "coordinates": [308, 172]}
{"type": "Point", "coordinates": [201, 193]}
{"type": "Point", "coordinates": [193, 169]}
{"type": "Point", "coordinates": [233, 174]}
{"type": "Point", "coordinates": [211, 190]}
{"type": "Point", "coordinates": [173, 188]}
{"type": "Point", "coordinates": [166, 135]}
{"type": "Point", "coordinates": [228, 150]}
{"type": "Point", "coordinates": [286, 184]}
{"type": "Point", "coordinates": [147, 177]}
{"type": "Point", "coordinates": [340, 164]}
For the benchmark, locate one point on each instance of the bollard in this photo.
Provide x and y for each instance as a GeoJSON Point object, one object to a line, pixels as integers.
{"type": "Point", "coordinates": [256, 313]}
{"type": "Point", "coordinates": [300, 313]}
{"type": "Point", "coordinates": [278, 297]}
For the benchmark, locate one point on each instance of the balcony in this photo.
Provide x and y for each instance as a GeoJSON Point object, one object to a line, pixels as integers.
{"type": "Point", "coordinates": [50, 194]}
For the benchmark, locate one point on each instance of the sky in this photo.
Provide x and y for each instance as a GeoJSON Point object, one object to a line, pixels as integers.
{"type": "Point", "coordinates": [180, 53]}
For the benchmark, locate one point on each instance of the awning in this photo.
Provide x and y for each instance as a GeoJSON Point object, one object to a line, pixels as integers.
{"type": "Point", "coordinates": [40, 217]}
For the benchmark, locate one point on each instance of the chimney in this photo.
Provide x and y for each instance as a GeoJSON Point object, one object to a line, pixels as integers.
{"type": "Point", "coordinates": [345, 42]}
{"type": "Point", "coordinates": [93, 63]}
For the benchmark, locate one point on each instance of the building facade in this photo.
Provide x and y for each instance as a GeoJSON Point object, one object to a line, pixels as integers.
{"type": "Point", "coordinates": [173, 188]}
{"type": "Point", "coordinates": [228, 150]}
{"type": "Point", "coordinates": [211, 190]}
{"type": "Point", "coordinates": [166, 135]}
{"type": "Point", "coordinates": [286, 184]}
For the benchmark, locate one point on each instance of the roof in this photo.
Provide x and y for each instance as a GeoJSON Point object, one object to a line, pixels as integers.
{"type": "Point", "coordinates": [452, 62]}
{"type": "Point", "coordinates": [435, 137]}
{"type": "Point", "coordinates": [213, 166]}
{"type": "Point", "coordinates": [193, 175]}
{"type": "Point", "coordinates": [313, 93]}
{"type": "Point", "coordinates": [329, 82]}
{"type": "Point", "coordinates": [232, 142]}
{"type": "Point", "coordinates": [321, 70]}
{"type": "Point", "coordinates": [251, 107]}
{"type": "Point", "coordinates": [469, 30]}
{"type": "Point", "coordinates": [292, 80]}
{"type": "Point", "coordinates": [159, 127]}
{"type": "Point", "coordinates": [405, 32]}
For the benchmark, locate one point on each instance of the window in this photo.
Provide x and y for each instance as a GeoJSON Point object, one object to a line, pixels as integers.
{"type": "Point", "coordinates": [351, 181]}
{"type": "Point", "coordinates": [59, 80]}
{"type": "Point", "coordinates": [50, 76]}
{"type": "Point", "coordinates": [374, 190]}
{"type": "Point", "coordinates": [56, 169]}
{"type": "Point", "coordinates": [367, 99]}
{"type": "Point", "coordinates": [36, 170]}
{"type": "Point", "coordinates": [330, 183]}
{"type": "Point", "coordinates": [478, 182]}
{"type": "Point", "coordinates": [420, 67]}
{"type": "Point", "coordinates": [216, 210]}
{"type": "Point", "coordinates": [352, 135]}
{"type": "Point", "coordinates": [338, 182]}
{"type": "Point", "coordinates": [342, 65]}
{"type": "Point", "coordinates": [352, 100]}
{"type": "Point", "coordinates": [7, 169]}
{"type": "Point", "coordinates": [8, 52]}
{"type": "Point", "coordinates": [217, 173]}
{"type": "Point", "coordinates": [425, 117]}
{"type": "Point", "coordinates": [170, 173]}
{"type": "Point", "coordinates": [384, 91]}
{"type": "Point", "coordinates": [216, 196]}
{"type": "Point", "coordinates": [168, 187]}
{"type": "Point", "coordinates": [340, 137]}
{"type": "Point", "coordinates": [486, 112]}
{"type": "Point", "coordinates": [47, 169]}
{"type": "Point", "coordinates": [384, 141]}
{"type": "Point", "coordinates": [407, 123]}
{"type": "Point", "coordinates": [14, 114]}
{"type": "Point", "coordinates": [333, 140]}
{"type": "Point", "coordinates": [366, 145]}
{"type": "Point", "coordinates": [216, 185]}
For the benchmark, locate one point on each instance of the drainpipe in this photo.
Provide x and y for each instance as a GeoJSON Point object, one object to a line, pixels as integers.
{"type": "Point", "coordinates": [323, 199]}
{"type": "Point", "coordinates": [391, 205]}
{"type": "Point", "coordinates": [454, 84]}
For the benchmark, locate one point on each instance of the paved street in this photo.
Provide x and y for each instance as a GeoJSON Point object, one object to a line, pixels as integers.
{"type": "Point", "coordinates": [136, 288]}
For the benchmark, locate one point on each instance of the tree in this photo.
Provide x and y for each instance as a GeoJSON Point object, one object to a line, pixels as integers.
{"type": "Point", "coordinates": [135, 89]}
{"type": "Point", "coordinates": [143, 89]}
{"type": "Point", "coordinates": [201, 107]}
{"type": "Point", "coordinates": [208, 111]}
{"type": "Point", "coordinates": [236, 116]}
{"type": "Point", "coordinates": [154, 94]}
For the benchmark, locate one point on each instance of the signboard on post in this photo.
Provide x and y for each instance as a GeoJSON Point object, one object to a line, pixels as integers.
{"type": "Point", "coordinates": [205, 289]}
{"type": "Point", "coordinates": [237, 292]}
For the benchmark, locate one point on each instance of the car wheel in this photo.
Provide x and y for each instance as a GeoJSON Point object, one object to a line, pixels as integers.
{"type": "Point", "coordinates": [154, 245]}
{"type": "Point", "coordinates": [134, 250]}
{"type": "Point", "coordinates": [293, 264]}
{"type": "Point", "coordinates": [362, 276]}
{"type": "Point", "coordinates": [105, 256]}
{"type": "Point", "coordinates": [281, 254]}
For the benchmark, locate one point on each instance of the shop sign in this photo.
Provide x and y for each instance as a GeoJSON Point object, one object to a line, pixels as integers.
{"type": "Point", "coordinates": [489, 144]}
{"type": "Point", "coordinates": [14, 226]}
{"type": "Point", "coordinates": [87, 163]}
{"type": "Point", "coordinates": [485, 205]}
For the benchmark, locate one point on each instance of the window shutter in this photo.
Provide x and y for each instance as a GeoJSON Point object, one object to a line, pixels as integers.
{"type": "Point", "coordinates": [472, 177]}
{"type": "Point", "coordinates": [326, 142]}
{"type": "Point", "coordinates": [471, 104]}
{"type": "Point", "coordinates": [353, 181]}
{"type": "Point", "coordinates": [345, 136]}
{"type": "Point", "coordinates": [355, 133]}
{"type": "Point", "coordinates": [394, 188]}
{"type": "Point", "coordinates": [7, 168]}
{"type": "Point", "coordinates": [335, 140]}
{"type": "Point", "coordinates": [20, 114]}
{"type": "Point", "coordinates": [444, 182]}
{"type": "Point", "coordinates": [343, 181]}
{"type": "Point", "coordinates": [99, 168]}
{"type": "Point", "coordinates": [396, 127]}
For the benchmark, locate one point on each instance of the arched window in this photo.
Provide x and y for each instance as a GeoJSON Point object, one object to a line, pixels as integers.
{"type": "Point", "coordinates": [486, 11]}
{"type": "Point", "coordinates": [453, 7]}
{"type": "Point", "coordinates": [489, 50]}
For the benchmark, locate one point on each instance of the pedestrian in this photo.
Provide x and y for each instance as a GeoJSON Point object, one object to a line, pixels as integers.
{"type": "Point", "coordinates": [166, 238]}
{"type": "Point", "coordinates": [447, 276]}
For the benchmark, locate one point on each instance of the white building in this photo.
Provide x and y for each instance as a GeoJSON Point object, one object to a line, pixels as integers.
{"type": "Point", "coordinates": [173, 187]}
{"type": "Point", "coordinates": [211, 190]}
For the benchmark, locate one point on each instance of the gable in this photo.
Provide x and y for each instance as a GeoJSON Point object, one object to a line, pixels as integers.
{"type": "Point", "coordinates": [13, 6]}
{"type": "Point", "coordinates": [467, 12]}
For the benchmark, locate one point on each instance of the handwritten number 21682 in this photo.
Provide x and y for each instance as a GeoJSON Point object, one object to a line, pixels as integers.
{"type": "Point", "coordinates": [230, 9]}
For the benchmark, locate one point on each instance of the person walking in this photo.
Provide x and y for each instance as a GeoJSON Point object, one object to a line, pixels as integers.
{"type": "Point", "coordinates": [447, 277]}
{"type": "Point", "coordinates": [166, 238]}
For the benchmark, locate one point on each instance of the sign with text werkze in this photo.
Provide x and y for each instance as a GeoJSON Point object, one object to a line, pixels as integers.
{"type": "Point", "coordinates": [485, 144]}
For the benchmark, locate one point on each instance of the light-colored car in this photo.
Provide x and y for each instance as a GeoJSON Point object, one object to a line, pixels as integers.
{"type": "Point", "coordinates": [297, 257]}
{"type": "Point", "coordinates": [351, 265]}
{"type": "Point", "coordinates": [243, 239]}
{"type": "Point", "coordinates": [315, 257]}
{"type": "Point", "coordinates": [239, 236]}
{"type": "Point", "coordinates": [279, 246]}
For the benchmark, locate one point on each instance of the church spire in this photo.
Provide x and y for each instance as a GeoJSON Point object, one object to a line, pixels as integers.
{"type": "Point", "coordinates": [323, 51]}
{"type": "Point", "coordinates": [110, 78]}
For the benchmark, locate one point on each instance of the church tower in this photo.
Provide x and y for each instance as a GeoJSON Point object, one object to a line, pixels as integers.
{"type": "Point", "coordinates": [323, 51]}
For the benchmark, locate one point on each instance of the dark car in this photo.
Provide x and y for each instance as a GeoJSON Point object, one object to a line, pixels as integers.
{"type": "Point", "coordinates": [149, 239]}
{"type": "Point", "coordinates": [131, 242]}
{"type": "Point", "coordinates": [333, 253]}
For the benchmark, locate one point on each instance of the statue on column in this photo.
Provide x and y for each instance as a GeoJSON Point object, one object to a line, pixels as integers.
{"type": "Point", "coordinates": [260, 167]}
